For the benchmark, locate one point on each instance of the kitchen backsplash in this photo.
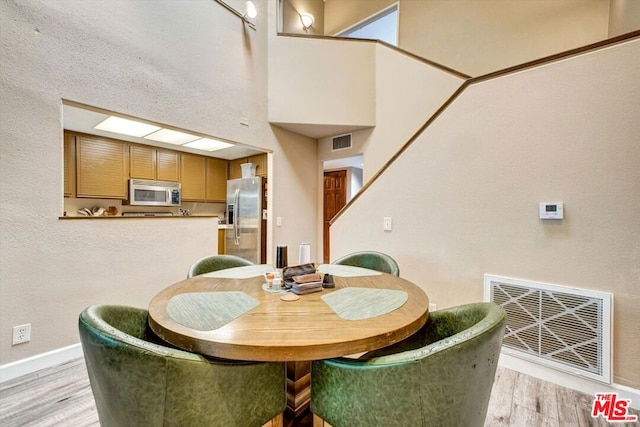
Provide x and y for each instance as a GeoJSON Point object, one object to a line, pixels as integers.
{"type": "Point", "coordinates": [72, 205]}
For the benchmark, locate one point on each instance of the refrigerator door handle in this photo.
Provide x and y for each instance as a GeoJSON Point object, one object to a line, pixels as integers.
{"type": "Point", "coordinates": [236, 220]}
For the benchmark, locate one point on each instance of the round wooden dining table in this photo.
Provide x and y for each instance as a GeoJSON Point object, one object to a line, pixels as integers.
{"type": "Point", "coordinates": [232, 314]}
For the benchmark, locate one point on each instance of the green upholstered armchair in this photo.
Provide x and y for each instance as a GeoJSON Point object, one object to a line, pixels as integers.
{"type": "Point", "coordinates": [139, 382]}
{"type": "Point", "coordinates": [216, 262]}
{"type": "Point", "coordinates": [371, 260]}
{"type": "Point", "coordinates": [440, 376]}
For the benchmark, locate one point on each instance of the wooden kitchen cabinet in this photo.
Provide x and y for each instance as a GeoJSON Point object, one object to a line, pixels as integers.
{"type": "Point", "coordinates": [260, 160]}
{"type": "Point", "coordinates": [142, 162]}
{"type": "Point", "coordinates": [216, 180]}
{"type": "Point", "coordinates": [154, 163]}
{"type": "Point", "coordinates": [168, 165]}
{"type": "Point", "coordinates": [69, 148]}
{"type": "Point", "coordinates": [203, 178]}
{"type": "Point", "coordinates": [101, 167]}
{"type": "Point", "coordinates": [193, 177]}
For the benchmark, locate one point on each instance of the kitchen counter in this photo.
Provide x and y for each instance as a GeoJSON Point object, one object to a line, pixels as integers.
{"type": "Point", "coordinates": [138, 217]}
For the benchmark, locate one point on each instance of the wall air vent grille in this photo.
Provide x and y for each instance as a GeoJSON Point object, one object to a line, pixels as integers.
{"type": "Point", "coordinates": [341, 142]}
{"type": "Point", "coordinates": [565, 328]}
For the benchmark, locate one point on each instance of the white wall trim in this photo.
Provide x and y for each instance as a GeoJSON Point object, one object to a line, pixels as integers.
{"type": "Point", "coordinates": [570, 381]}
{"type": "Point", "coordinates": [35, 363]}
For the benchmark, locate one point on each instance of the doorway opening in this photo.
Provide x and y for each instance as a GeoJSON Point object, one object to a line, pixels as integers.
{"type": "Point", "coordinates": [342, 180]}
{"type": "Point", "coordinates": [380, 26]}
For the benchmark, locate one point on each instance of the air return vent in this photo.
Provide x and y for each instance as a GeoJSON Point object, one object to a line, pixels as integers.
{"type": "Point", "coordinates": [341, 142]}
{"type": "Point", "coordinates": [561, 327]}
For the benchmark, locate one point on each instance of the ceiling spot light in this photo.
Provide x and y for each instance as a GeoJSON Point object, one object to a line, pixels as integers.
{"type": "Point", "coordinates": [208, 144]}
{"type": "Point", "coordinates": [126, 127]}
{"type": "Point", "coordinates": [307, 20]}
{"type": "Point", "coordinates": [171, 137]}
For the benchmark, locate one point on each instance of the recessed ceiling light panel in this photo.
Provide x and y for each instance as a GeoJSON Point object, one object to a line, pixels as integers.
{"type": "Point", "coordinates": [171, 136]}
{"type": "Point", "coordinates": [208, 144]}
{"type": "Point", "coordinates": [126, 127]}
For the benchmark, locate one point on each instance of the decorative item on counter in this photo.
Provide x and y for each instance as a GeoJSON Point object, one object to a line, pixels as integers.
{"type": "Point", "coordinates": [184, 212]}
{"type": "Point", "coordinates": [111, 211]}
{"type": "Point", "coordinates": [94, 211]}
{"type": "Point", "coordinates": [304, 253]}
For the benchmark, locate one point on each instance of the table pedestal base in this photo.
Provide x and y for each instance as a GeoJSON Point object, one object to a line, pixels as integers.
{"type": "Point", "coordinates": [297, 413]}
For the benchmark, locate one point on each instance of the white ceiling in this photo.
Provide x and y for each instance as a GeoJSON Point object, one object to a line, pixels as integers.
{"type": "Point", "coordinates": [79, 119]}
{"type": "Point", "coordinates": [83, 120]}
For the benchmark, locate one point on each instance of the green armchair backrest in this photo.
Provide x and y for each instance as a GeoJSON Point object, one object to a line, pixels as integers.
{"type": "Point", "coordinates": [440, 376]}
{"type": "Point", "coordinates": [371, 260]}
{"type": "Point", "coordinates": [137, 381]}
{"type": "Point", "coordinates": [216, 262]}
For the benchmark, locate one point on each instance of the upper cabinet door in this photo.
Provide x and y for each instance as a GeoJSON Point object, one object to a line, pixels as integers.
{"type": "Point", "coordinates": [193, 175]}
{"type": "Point", "coordinates": [102, 168]}
{"type": "Point", "coordinates": [154, 163]}
{"type": "Point", "coordinates": [216, 186]}
{"type": "Point", "coordinates": [260, 160]}
{"type": "Point", "coordinates": [168, 165]}
{"type": "Point", "coordinates": [143, 162]}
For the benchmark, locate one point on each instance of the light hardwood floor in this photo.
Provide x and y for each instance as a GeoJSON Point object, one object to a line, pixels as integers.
{"type": "Point", "coordinates": [61, 396]}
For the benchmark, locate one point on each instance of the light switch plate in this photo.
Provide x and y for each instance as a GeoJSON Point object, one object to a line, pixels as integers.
{"type": "Point", "coordinates": [387, 223]}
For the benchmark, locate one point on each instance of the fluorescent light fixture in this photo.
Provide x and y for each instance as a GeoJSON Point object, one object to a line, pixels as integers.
{"type": "Point", "coordinates": [126, 127]}
{"type": "Point", "coordinates": [208, 144]}
{"type": "Point", "coordinates": [171, 136]}
{"type": "Point", "coordinates": [252, 12]}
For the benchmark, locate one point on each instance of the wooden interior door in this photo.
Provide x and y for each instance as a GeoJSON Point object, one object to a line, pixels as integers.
{"type": "Point", "coordinates": [335, 197]}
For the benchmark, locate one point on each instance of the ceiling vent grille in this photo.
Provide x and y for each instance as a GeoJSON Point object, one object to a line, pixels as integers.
{"type": "Point", "coordinates": [561, 327]}
{"type": "Point", "coordinates": [341, 142]}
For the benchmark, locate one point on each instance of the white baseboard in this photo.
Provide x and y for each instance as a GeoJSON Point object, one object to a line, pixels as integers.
{"type": "Point", "coordinates": [32, 364]}
{"type": "Point", "coordinates": [569, 381]}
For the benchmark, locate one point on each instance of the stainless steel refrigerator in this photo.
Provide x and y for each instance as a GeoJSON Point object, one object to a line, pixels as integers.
{"type": "Point", "coordinates": [244, 218]}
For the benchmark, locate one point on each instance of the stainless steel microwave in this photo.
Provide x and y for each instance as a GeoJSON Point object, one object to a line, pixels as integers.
{"type": "Point", "coordinates": [144, 192]}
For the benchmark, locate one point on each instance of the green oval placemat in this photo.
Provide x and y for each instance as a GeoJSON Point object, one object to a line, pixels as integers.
{"type": "Point", "coordinates": [206, 311]}
{"type": "Point", "coordinates": [364, 303]}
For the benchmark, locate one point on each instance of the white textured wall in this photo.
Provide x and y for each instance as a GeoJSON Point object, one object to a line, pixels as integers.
{"type": "Point", "coordinates": [322, 82]}
{"type": "Point", "coordinates": [407, 93]}
{"type": "Point", "coordinates": [480, 36]}
{"type": "Point", "coordinates": [340, 14]}
{"type": "Point", "coordinates": [624, 17]}
{"type": "Point", "coordinates": [191, 65]}
{"type": "Point", "coordinates": [464, 197]}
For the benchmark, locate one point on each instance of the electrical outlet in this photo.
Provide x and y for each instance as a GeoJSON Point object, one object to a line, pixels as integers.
{"type": "Point", "coordinates": [433, 306]}
{"type": "Point", "coordinates": [21, 334]}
